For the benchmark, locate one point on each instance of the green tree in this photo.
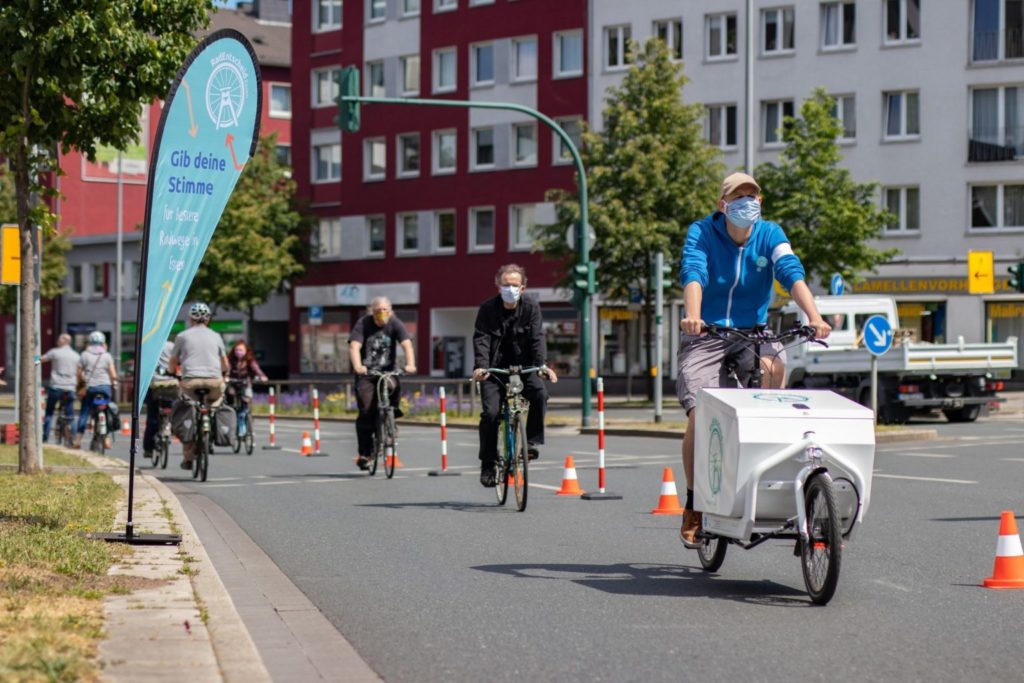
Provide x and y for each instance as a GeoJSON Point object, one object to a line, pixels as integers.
{"type": "Point", "coordinates": [650, 174]}
{"type": "Point", "coordinates": [827, 216]}
{"type": "Point", "coordinates": [74, 74]}
{"type": "Point", "coordinates": [259, 242]}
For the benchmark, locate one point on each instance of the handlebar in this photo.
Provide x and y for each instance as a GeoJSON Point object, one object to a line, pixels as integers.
{"type": "Point", "coordinates": [763, 336]}
{"type": "Point", "coordinates": [389, 373]}
{"type": "Point", "coordinates": [515, 370]}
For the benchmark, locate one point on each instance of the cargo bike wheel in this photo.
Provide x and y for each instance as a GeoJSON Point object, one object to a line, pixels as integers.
{"type": "Point", "coordinates": [821, 554]}
{"type": "Point", "coordinates": [712, 552]}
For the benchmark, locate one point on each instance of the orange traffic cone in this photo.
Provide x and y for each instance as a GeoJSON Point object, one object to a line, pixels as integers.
{"type": "Point", "coordinates": [1009, 569]}
{"type": "Point", "coordinates": [307, 445]}
{"type": "Point", "coordinates": [391, 454]}
{"type": "Point", "coordinates": [668, 504]}
{"type": "Point", "coordinates": [126, 427]}
{"type": "Point", "coordinates": [570, 484]}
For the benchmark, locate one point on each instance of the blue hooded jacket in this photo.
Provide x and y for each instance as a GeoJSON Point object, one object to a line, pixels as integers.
{"type": "Point", "coordinates": [737, 281]}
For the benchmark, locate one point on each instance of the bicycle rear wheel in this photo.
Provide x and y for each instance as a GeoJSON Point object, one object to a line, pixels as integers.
{"type": "Point", "coordinates": [821, 554]}
{"type": "Point", "coordinates": [204, 456]}
{"type": "Point", "coordinates": [712, 553]}
{"type": "Point", "coordinates": [164, 447]}
{"type": "Point", "coordinates": [237, 446]}
{"type": "Point", "coordinates": [390, 444]}
{"type": "Point", "coordinates": [520, 462]}
{"type": "Point", "coordinates": [250, 438]}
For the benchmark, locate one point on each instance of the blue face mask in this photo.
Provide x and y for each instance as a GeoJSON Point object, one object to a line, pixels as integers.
{"type": "Point", "coordinates": [743, 212]}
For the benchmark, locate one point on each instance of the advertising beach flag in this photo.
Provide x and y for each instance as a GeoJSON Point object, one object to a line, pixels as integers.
{"type": "Point", "coordinates": [208, 131]}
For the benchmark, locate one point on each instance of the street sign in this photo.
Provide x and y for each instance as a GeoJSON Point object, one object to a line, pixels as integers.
{"type": "Point", "coordinates": [838, 285]}
{"type": "Point", "coordinates": [877, 335]}
{"type": "Point", "coordinates": [980, 272]}
{"type": "Point", "coordinates": [316, 315]}
{"type": "Point", "coordinates": [10, 254]}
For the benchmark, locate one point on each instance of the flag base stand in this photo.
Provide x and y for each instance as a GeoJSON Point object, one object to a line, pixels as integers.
{"type": "Point", "coordinates": [443, 473]}
{"type": "Point", "coordinates": [131, 538]}
{"type": "Point", "coordinates": [271, 448]}
{"type": "Point", "coordinates": [599, 495]}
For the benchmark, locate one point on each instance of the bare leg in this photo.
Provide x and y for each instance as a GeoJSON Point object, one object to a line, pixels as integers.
{"type": "Point", "coordinates": [774, 371]}
{"type": "Point", "coordinates": [688, 441]}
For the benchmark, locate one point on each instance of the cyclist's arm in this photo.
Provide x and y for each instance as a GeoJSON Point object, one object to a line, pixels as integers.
{"type": "Point", "coordinates": [112, 368]}
{"type": "Point", "coordinates": [801, 294]}
{"type": "Point", "coordinates": [410, 356]}
{"type": "Point", "coordinates": [693, 297]}
{"type": "Point", "coordinates": [354, 356]}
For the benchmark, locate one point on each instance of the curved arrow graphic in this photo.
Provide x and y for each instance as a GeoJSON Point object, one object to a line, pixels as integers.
{"type": "Point", "coordinates": [229, 142]}
{"type": "Point", "coordinates": [166, 286]}
{"type": "Point", "coordinates": [193, 129]}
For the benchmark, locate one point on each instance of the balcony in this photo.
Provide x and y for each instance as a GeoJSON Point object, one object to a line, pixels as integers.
{"type": "Point", "coordinates": [995, 144]}
{"type": "Point", "coordinates": [987, 45]}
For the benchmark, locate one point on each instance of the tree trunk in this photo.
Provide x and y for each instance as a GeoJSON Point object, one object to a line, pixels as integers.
{"type": "Point", "coordinates": [28, 458]}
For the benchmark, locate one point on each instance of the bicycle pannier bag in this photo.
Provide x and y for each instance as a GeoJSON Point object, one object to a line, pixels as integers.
{"type": "Point", "coordinates": [183, 421]}
{"type": "Point", "coordinates": [225, 424]}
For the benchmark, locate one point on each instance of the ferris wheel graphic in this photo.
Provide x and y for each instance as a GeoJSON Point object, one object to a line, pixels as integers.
{"type": "Point", "coordinates": [225, 95]}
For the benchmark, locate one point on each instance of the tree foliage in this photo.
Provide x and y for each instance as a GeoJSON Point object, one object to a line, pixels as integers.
{"type": "Point", "coordinates": [650, 174]}
{"type": "Point", "coordinates": [828, 217]}
{"type": "Point", "coordinates": [258, 244]}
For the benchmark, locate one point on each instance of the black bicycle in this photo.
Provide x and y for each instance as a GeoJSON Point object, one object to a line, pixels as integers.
{"type": "Point", "coordinates": [204, 434]}
{"type": "Point", "coordinates": [63, 427]}
{"type": "Point", "coordinates": [513, 458]}
{"type": "Point", "coordinates": [236, 395]}
{"type": "Point", "coordinates": [385, 435]}
{"type": "Point", "coordinates": [99, 414]}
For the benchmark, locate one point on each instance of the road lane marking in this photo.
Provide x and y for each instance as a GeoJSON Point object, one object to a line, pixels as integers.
{"type": "Point", "coordinates": [924, 455]}
{"type": "Point", "coordinates": [223, 486]}
{"type": "Point", "coordinates": [545, 486]}
{"type": "Point", "coordinates": [887, 584]}
{"type": "Point", "coordinates": [1013, 459]}
{"type": "Point", "coordinates": [932, 479]}
{"type": "Point", "coordinates": [277, 483]}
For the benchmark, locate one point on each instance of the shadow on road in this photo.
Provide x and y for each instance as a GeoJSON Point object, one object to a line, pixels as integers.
{"type": "Point", "coordinates": [657, 580]}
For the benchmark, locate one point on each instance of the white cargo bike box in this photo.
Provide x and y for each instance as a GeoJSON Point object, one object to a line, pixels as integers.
{"type": "Point", "coordinates": [751, 456]}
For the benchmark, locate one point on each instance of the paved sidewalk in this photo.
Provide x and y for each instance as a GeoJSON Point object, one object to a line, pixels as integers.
{"type": "Point", "coordinates": [186, 629]}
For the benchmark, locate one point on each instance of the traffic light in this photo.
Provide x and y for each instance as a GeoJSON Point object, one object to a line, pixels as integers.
{"type": "Point", "coordinates": [1017, 277]}
{"type": "Point", "coordinates": [663, 279]}
{"type": "Point", "coordinates": [582, 283]}
{"type": "Point", "coordinates": [348, 111]}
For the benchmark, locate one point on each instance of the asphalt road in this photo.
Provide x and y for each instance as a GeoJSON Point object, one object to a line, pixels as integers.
{"type": "Point", "coordinates": [431, 581]}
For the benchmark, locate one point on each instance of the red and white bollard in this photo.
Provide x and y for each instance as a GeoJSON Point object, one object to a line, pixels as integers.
{"type": "Point", "coordinates": [600, 494]}
{"type": "Point", "coordinates": [443, 472]}
{"type": "Point", "coordinates": [272, 446]}
{"type": "Point", "coordinates": [316, 422]}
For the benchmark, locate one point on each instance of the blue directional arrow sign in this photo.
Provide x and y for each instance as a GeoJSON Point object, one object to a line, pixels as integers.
{"type": "Point", "coordinates": [877, 335]}
{"type": "Point", "coordinates": [837, 285]}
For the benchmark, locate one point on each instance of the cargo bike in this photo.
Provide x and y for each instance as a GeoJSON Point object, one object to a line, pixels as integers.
{"type": "Point", "coordinates": [780, 464]}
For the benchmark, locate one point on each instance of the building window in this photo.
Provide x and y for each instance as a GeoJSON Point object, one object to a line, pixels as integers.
{"type": "Point", "coordinates": [280, 101]}
{"type": "Point", "coordinates": [670, 31]}
{"type": "Point", "coordinates": [997, 131]}
{"type": "Point", "coordinates": [524, 59]}
{"type": "Point", "coordinates": [481, 231]}
{"type": "Point", "coordinates": [410, 8]}
{"type": "Point", "coordinates": [902, 119]}
{"type": "Point", "coordinates": [283, 153]}
{"type": "Point", "coordinates": [376, 235]}
{"type": "Point", "coordinates": [444, 232]}
{"type": "Point", "coordinates": [568, 54]}
{"type": "Point", "coordinates": [526, 143]}
{"type": "Point", "coordinates": [445, 5]}
{"type": "Point", "coordinates": [520, 227]}
{"type": "Point", "coordinates": [375, 79]}
{"type": "Point", "coordinates": [845, 110]}
{"type": "Point", "coordinates": [774, 114]}
{"type": "Point", "coordinates": [720, 125]}
{"type": "Point", "coordinates": [328, 238]}
{"type": "Point", "coordinates": [375, 163]}
{"type": "Point", "coordinates": [378, 10]}
{"type": "Point", "coordinates": [904, 204]}
{"type": "Point", "coordinates": [328, 15]}
{"type": "Point", "coordinates": [76, 285]}
{"type": "Point", "coordinates": [325, 86]}
{"type": "Point", "coordinates": [902, 21]}
{"type": "Point", "coordinates": [483, 147]}
{"type": "Point", "coordinates": [720, 40]}
{"type": "Point", "coordinates": [444, 151]}
{"type": "Point", "coordinates": [996, 207]}
{"type": "Point", "coordinates": [838, 25]}
{"type": "Point", "coordinates": [408, 233]}
{"type": "Point", "coordinates": [483, 63]}
{"type": "Point", "coordinates": [574, 129]}
{"type": "Point", "coordinates": [777, 30]}
{"type": "Point", "coordinates": [998, 31]}
{"type": "Point", "coordinates": [408, 155]}
{"type": "Point", "coordinates": [327, 162]}
{"type": "Point", "coordinates": [616, 47]}
{"type": "Point", "coordinates": [444, 70]}
{"type": "Point", "coordinates": [410, 74]}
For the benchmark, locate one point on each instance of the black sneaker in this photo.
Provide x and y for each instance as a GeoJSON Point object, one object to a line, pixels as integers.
{"type": "Point", "coordinates": [487, 475]}
{"type": "Point", "coordinates": [363, 462]}
{"type": "Point", "coordinates": [186, 464]}
{"type": "Point", "coordinates": [532, 453]}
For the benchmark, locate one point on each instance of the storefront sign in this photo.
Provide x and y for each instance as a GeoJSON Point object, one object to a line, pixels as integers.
{"type": "Point", "coordinates": [924, 285]}
{"type": "Point", "coordinates": [617, 314]}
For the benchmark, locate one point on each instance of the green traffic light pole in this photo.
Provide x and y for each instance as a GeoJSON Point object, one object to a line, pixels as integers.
{"type": "Point", "coordinates": [583, 241]}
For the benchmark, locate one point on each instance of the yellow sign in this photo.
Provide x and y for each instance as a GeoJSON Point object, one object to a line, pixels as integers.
{"type": "Point", "coordinates": [10, 255]}
{"type": "Point", "coordinates": [980, 272]}
{"type": "Point", "coordinates": [923, 285]}
{"type": "Point", "coordinates": [617, 314]}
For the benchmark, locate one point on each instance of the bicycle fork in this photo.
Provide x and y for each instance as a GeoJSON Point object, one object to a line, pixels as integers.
{"type": "Point", "coordinates": [813, 459]}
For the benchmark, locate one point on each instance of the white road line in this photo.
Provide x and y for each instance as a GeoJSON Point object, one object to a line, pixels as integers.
{"type": "Point", "coordinates": [326, 481]}
{"type": "Point", "coordinates": [545, 486]}
{"type": "Point", "coordinates": [924, 455]}
{"type": "Point", "coordinates": [223, 486]}
{"type": "Point", "coordinates": [276, 483]}
{"type": "Point", "coordinates": [1013, 459]}
{"type": "Point", "coordinates": [887, 584]}
{"type": "Point", "coordinates": [934, 479]}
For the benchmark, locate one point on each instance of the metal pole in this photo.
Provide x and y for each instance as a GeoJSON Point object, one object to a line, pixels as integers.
{"type": "Point", "coordinates": [118, 293]}
{"type": "Point", "coordinates": [584, 241]}
{"type": "Point", "coordinates": [748, 105]}
{"type": "Point", "coordinates": [874, 385]}
{"type": "Point", "coordinates": [36, 353]}
{"type": "Point", "coordinates": [17, 356]}
{"type": "Point", "coordinates": [659, 330]}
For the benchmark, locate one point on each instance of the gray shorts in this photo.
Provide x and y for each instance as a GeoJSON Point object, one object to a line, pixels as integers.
{"type": "Point", "coordinates": [701, 362]}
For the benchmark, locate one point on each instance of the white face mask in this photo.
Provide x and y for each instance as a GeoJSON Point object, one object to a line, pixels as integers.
{"type": "Point", "coordinates": [510, 293]}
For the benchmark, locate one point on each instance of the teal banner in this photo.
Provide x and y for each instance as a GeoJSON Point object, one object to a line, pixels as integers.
{"type": "Point", "coordinates": [208, 131]}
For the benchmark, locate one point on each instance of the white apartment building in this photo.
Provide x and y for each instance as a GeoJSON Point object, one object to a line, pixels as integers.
{"type": "Point", "coordinates": [931, 95]}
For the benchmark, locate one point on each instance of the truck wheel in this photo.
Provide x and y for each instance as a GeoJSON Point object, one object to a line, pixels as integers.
{"type": "Point", "coordinates": [968, 414]}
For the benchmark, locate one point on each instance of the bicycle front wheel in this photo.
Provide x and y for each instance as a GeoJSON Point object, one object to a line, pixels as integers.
{"type": "Point", "coordinates": [250, 437]}
{"type": "Point", "coordinates": [390, 444]}
{"type": "Point", "coordinates": [821, 554]}
{"type": "Point", "coordinates": [501, 465]}
{"type": "Point", "coordinates": [236, 447]}
{"type": "Point", "coordinates": [520, 461]}
{"type": "Point", "coordinates": [378, 446]}
{"type": "Point", "coordinates": [165, 451]}
{"type": "Point", "coordinates": [712, 553]}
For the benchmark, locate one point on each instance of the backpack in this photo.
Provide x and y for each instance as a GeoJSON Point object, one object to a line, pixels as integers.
{"type": "Point", "coordinates": [225, 426]}
{"type": "Point", "coordinates": [183, 421]}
